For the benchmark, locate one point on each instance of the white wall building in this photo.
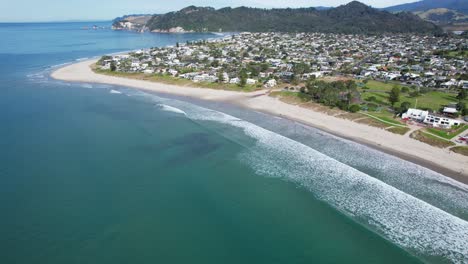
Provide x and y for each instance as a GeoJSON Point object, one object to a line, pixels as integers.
{"type": "Point", "coordinates": [271, 83]}
{"type": "Point", "coordinates": [430, 119]}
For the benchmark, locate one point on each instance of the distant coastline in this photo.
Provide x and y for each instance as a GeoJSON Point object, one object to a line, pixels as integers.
{"type": "Point", "coordinates": [440, 160]}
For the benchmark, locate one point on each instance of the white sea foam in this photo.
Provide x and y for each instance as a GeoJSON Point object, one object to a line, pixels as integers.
{"type": "Point", "coordinates": [169, 108]}
{"type": "Point", "coordinates": [407, 221]}
{"type": "Point", "coordinates": [59, 65]}
{"type": "Point", "coordinates": [114, 92]}
{"type": "Point", "coordinates": [410, 222]}
{"type": "Point", "coordinates": [86, 85]}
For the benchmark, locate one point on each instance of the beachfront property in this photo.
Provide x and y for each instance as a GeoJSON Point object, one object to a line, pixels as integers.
{"type": "Point", "coordinates": [430, 119]}
{"type": "Point", "coordinates": [268, 59]}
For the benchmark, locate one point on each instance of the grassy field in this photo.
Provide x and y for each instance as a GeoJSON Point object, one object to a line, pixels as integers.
{"type": "Point", "coordinates": [431, 140]}
{"type": "Point", "coordinates": [291, 96]}
{"type": "Point", "coordinates": [457, 54]}
{"type": "Point", "coordinates": [387, 117]}
{"type": "Point", "coordinates": [448, 134]}
{"type": "Point", "coordinates": [381, 86]}
{"type": "Point", "coordinates": [399, 130]}
{"type": "Point", "coordinates": [167, 79]}
{"type": "Point", "coordinates": [460, 150]}
{"type": "Point", "coordinates": [433, 99]}
{"type": "Point", "coordinates": [374, 120]}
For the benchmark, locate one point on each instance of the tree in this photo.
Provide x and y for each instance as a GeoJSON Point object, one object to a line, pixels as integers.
{"type": "Point", "coordinates": [113, 67]}
{"type": "Point", "coordinates": [394, 96]}
{"type": "Point", "coordinates": [461, 107]}
{"type": "Point", "coordinates": [462, 94]}
{"type": "Point", "coordinates": [404, 107]}
{"type": "Point", "coordinates": [294, 80]}
{"type": "Point", "coordinates": [220, 76]}
{"type": "Point", "coordinates": [354, 108]}
{"type": "Point", "coordinates": [243, 77]}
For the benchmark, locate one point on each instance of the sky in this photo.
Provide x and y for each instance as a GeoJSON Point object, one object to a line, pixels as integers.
{"type": "Point", "coordinates": [65, 10]}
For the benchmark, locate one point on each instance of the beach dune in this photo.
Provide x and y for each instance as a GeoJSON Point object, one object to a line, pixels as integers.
{"type": "Point", "coordinates": [441, 160]}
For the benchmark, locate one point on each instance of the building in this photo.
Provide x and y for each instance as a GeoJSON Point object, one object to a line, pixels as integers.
{"type": "Point", "coordinates": [440, 121]}
{"type": "Point", "coordinates": [415, 114]}
{"type": "Point", "coordinates": [430, 119]}
{"type": "Point", "coordinates": [271, 83]}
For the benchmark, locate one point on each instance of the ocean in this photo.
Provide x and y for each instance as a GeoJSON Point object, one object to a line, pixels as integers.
{"type": "Point", "coordinates": [93, 173]}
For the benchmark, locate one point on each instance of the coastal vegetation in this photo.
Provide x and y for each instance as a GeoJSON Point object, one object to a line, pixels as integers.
{"type": "Point", "coordinates": [417, 97]}
{"type": "Point", "coordinates": [353, 18]}
{"type": "Point", "coordinates": [431, 139]}
{"type": "Point", "coordinates": [463, 150]}
{"type": "Point", "coordinates": [168, 79]}
{"type": "Point", "coordinates": [448, 133]}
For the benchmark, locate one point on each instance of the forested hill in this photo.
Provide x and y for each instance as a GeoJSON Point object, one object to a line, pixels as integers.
{"type": "Point", "coordinates": [354, 17]}
{"type": "Point", "coordinates": [424, 5]}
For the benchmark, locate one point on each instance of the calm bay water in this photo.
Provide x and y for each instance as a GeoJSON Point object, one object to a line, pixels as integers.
{"type": "Point", "coordinates": [93, 176]}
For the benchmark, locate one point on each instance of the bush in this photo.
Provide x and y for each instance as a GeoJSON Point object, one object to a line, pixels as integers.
{"type": "Point", "coordinates": [372, 98]}
{"type": "Point", "coordinates": [404, 89]}
{"type": "Point", "coordinates": [354, 108]}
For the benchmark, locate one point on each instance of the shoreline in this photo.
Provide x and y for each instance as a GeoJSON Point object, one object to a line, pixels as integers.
{"type": "Point", "coordinates": [448, 163]}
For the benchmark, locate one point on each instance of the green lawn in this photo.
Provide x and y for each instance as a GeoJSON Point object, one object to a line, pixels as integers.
{"type": "Point", "coordinates": [448, 134]}
{"type": "Point", "coordinates": [457, 54]}
{"type": "Point", "coordinates": [431, 140]}
{"type": "Point", "coordinates": [399, 130]}
{"type": "Point", "coordinates": [381, 86]}
{"type": "Point", "coordinates": [386, 116]}
{"type": "Point", "coordinates": [433, 100]}
{"type": "Point", "coordinates": [302, 97]}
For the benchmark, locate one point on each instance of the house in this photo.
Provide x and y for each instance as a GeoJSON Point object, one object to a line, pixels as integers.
{"type": "Point", "coordinates": [271, 83]}
{"type": "Point", "coordinates": [430, 119]}
{"type": "Point", "coordinates": [464, 84]}
{"type": "Point", "coordinates": [450, 110]}
{"type": "Point", "coordinates": [415, 114]}
{"type": "Point", "coordinates": [440, 121]}
{"type": "Point", "coordinates": [251, 81]}
{"type": "Point", "coordinates": [234, 81]}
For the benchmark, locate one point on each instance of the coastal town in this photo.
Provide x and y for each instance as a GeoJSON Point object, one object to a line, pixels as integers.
{"type": "Point", "coordinates": [410, 59]}
{"type": "Point", "coordinates": [288, 64]}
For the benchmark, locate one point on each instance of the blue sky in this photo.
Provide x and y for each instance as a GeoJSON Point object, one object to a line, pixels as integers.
{"type": "Point", "coordinates": [59, 10]}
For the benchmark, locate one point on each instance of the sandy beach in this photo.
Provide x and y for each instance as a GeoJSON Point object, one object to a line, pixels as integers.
{"type": "Point", "coordinates": [441, 160]}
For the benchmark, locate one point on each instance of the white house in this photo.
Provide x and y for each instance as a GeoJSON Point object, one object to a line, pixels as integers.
{"type": "Point", "coordinates": [440, 121]}
{"type": "Point", "coordinates": [225, 77]}
{"type": "Point", "coordinates": [234, 81]}
{"type": "Point", "coordinates": [270, 83]}
{"type": "Point", "coordinates": [172, 72]}
{"type": "Point", "coordinates": [415, 114]}
{"type": "Point", "coordinates": [430, 119]}
{"type": "Point", "coordinates": [251, 81]}
{"type": "Point", "coordinates": [450, 110]}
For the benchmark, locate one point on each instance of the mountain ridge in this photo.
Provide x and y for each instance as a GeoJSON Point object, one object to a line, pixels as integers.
{"type": "Point", "coordinates": [352, 18]}
{"type": "Point", "coordinates": [424, 5]}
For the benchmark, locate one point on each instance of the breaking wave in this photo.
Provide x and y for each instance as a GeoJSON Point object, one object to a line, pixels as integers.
{"type": "Point", "coordinates": [169, 108]}
{"type": "Point", "coordinates": [408, 221]}
{"type": "Point", "coordinates": [114, 92]}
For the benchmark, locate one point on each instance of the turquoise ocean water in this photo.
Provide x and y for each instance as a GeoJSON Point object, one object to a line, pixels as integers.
{"type": "Point", "coordinates": [101, 174]}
